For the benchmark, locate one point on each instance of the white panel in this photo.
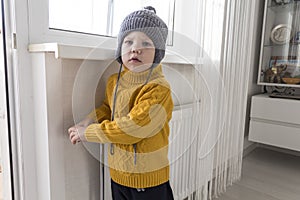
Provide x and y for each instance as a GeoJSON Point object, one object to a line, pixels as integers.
{"type": "Point", "coordinates": [81, 166]}
{"type": "Point", "coordinates": [41, 126]}
{"type": "Point", "coordinates": [65, 171]}
{"type": "Point", "coordinates": [275, 134]}
{"type": "Point", "coordinates": [276, 109]}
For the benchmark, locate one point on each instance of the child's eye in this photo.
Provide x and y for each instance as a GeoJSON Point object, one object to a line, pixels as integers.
{"type": "Point", "coordinates": [128, 42]}
{"type": "Point", "coordinates": [147, 44]}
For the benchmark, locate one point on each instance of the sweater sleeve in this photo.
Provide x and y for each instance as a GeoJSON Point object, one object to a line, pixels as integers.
{"type": "Point", "coordinates": [104, 111]}
{"type": "Point", "coordinates": [101, 113]}
{"type": "Point", "coordinates": [152, 109]}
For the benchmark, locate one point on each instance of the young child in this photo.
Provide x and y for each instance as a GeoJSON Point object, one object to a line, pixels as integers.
{"type": "Point", "coordinates": [135, 113]}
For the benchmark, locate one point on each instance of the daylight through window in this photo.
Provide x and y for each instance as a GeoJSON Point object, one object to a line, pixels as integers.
{"type": "Point", "coordinates": [102, 17]}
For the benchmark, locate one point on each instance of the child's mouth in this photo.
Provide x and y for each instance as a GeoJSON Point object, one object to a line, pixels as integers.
{"type": "Point", "coordinates": [134, 60]}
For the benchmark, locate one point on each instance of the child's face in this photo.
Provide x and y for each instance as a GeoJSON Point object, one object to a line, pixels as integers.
{"type": "Point", "coordinates": [137, 51]}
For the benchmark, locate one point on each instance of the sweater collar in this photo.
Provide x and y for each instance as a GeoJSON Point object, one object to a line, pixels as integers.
{"type": "Point", "coordinates": [141, 77]}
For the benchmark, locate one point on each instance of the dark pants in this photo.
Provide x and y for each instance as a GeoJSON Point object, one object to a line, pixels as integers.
{"type": "Point", "coordinates": [160, 192]}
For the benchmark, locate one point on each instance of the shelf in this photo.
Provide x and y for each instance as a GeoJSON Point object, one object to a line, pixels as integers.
{"type": "Point", "coordinates": [283, 7]}
{"type": "Point", "coordinates": [279, 84]}
{"type": "Point", "coordinates": [72, 52]}
{"type": "Point", "coordinates": [282, 45]}
{"type": "Point", "coordinates": [97, 53]}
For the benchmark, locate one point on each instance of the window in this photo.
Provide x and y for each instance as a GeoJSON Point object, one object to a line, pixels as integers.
{"type": "Point", "coordinates": [95, 23]}
{"type": "Point", "coordinates": [102, 17]}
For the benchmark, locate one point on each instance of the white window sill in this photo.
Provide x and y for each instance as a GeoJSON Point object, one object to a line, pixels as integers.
{"type": "Point", "coordinates": [91, 53]}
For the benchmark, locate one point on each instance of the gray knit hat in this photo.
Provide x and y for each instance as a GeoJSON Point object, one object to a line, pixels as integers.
{"type": "Point", "coordinates": [149, 23]}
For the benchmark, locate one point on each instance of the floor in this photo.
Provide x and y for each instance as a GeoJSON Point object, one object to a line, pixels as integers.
{"type": "Point", "coordinates": [267, 175]}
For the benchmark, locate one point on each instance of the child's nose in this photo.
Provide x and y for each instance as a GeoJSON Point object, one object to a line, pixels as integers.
{"type": "Point", "coordinates": [136, 49]}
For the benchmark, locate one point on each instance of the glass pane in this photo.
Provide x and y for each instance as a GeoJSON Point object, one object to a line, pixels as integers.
{"type": "Point", "coordinates": [280, 61]}
{"type": "Point", "coordinates": [102, 17]}
{"type": "Point", "coordinates": [88, 16]}
{"type": "Point", "coordinates": [123, 8]}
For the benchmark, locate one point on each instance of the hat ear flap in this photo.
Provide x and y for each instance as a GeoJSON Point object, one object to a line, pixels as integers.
{"type": "Point", "coordinates": [118, 53]}
{"type": "Point", "coordinates": [159, 55]}
{"type": "Point", "coordinates": [119, 59]}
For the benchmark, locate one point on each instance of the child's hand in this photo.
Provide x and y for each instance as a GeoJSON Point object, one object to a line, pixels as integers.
{"type": "Point", "coordinates": [76, 133]}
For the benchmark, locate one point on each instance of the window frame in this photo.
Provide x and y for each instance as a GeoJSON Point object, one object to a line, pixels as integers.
{"type": "Point", "coordinates": [40, 31]}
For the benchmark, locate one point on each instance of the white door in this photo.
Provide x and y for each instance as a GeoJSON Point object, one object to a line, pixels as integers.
{"type": "Point", "coordinates": [5, 175]}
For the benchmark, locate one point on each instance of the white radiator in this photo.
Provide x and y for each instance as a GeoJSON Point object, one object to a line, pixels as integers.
{"type": "Point", "coordinates": [183, 151]}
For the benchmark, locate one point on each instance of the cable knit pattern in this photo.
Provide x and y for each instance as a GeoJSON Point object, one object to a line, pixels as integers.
{"type": "Point", "coordinates": [142, 114]}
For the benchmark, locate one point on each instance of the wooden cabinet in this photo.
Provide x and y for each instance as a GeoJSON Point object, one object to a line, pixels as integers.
{"type": "Point", "coordinates": [275, 121]}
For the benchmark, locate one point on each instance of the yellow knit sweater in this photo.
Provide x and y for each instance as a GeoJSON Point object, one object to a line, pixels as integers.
{"type": "Point", "coordinates": [139, 132]}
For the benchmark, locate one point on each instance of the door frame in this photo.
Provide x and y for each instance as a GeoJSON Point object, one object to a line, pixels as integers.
{"type": "Point", "coordinates": [19, 98]}
{"type": "Point", "coordinates": [6, 161]}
